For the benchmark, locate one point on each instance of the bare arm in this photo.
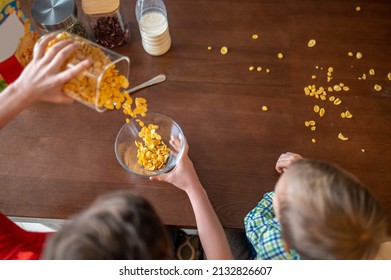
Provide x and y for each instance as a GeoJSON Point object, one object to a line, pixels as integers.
{"type": "Point", "coordinates": [40, 80]}
{"type": "Point", "coordinates": [210, 230]}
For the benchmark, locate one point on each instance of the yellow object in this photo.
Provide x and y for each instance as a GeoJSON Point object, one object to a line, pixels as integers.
{"type": "Point", "coordinates": [348, 115]}
{"type": "Point", "coordinates": [267, 70]}
{"type": "Point", "coordinates": [265, 108]}
{"type": "Point", "coordinates": [209, 48]}
{"type": "Point", "coordinates": [152, 153]}
{"type": "Point", "coordinates": [311, 43]}
{"type": "Point", "coordinates": [377, 87]}
{"type": "Point", "coordinates": [251, 68]}
{"type": "Point", "coordinates": [316, 109]}
{"type": "Point", "coordinates": [313, 77]}
{"type": "Point", "coordinates": [322, 111]}
{"type": "Point", "coordinates": [343, 138]}
{"type": "Point", "coordinates": [280, 55]}
{"type": "Point", "coordinates": [358, 8]}
{"type": "Point", "coordinates": [337, 101]}
{"type": "Point", "coordinates": [372, 72]}
{"type": "Point", "coordinates": [337, 88]}
{"type": "Point", "coordinates": [389, 76]}
{"type": "Point", "coordinates": [343, 115]}
{"type": "Point", "coordinates": [359, 55]}
{"type": "Point", "coordinates": [255, 36]}
{"type": "Point", "coordinates": [313, 140]}
{"type": "Point", "coordinates": [224, 50]}
{"type": "Point", "coordinates": [259, 68]}
{"type": "Point", "coordinates": [346, 88]}
{"type": "Point", "coordinates": [350, 54]}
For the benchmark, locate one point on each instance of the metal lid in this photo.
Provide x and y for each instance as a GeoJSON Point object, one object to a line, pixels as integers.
{"type": "Point", "coordinates": [54, 14]}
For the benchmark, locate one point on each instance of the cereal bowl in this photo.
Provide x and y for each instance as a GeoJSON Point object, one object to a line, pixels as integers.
{"type": "Point", "coordinates": [145, 155]}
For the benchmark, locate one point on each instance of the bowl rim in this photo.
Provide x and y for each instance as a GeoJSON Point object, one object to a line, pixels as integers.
{"type": "Point", "coordinates": [179, 156]}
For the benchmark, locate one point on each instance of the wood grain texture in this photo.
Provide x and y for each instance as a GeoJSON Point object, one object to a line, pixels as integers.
{"type": "Point", "coordinates": [55, 159]}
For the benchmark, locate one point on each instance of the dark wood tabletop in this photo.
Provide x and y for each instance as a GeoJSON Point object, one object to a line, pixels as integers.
{"type": "Point", "coordinates": [56, 159]}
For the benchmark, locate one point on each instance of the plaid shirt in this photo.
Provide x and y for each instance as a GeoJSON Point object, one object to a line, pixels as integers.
{"type": "Point", "coordinates": [264, 232]}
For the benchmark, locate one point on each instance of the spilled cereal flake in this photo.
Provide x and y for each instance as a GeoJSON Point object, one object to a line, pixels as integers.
{"type": "Point", "coordinates": [311, 43]}
{"type": "Point", "coordinates": [255, 36]}
{"type": "Point", "coordinates": [342, 137]}
{"type": "Point", "coordinates": [377, 87]}
{"type": "Point", "coordinates": [224, 50]}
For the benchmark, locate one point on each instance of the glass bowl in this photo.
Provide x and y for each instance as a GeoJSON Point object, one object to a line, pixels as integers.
{"type": "Point", "coordinates": [126, 149]}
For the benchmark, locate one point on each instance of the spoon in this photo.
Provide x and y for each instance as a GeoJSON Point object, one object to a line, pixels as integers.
{"type": "Point", "coordinates": [158, 79]}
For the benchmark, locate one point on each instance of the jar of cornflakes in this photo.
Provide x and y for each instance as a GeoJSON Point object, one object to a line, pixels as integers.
{"type": "Point", "coordinates": [100, 86]}
{"type": "Point", "coordinates": [56, 15]}
{"type": "Point", "coordinates": [107, 21]}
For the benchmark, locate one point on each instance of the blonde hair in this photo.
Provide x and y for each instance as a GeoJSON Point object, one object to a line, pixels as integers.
{"type": "Point", "coordinates": [326, 213]}
{"type": "Point", "coordinates": [117, 226]}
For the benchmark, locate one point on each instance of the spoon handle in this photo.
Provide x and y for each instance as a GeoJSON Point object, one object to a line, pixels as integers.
{"type": "Point", "coordinates": [158, 79]}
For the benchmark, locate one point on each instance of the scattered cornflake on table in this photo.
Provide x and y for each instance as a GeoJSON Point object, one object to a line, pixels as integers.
{"type": "Point", "coordinates": [311, 43]}
{"type": "Point", "coordinates": [345, 88]}
{"type": "Point", "coordinates": [255, 36]}
{"type": "Point", "coordinates": [348, 115]}
{"type": "Point", "coordinates": [364, 76]}
{"type": "Point", "coordinates": [337, 88]}
{"type": "Point", "coordinates": [209, 48]}
{"type": "Point", "coordinates": [224, 50]}
{"type": "Point", "coordinates": [377, 87]}
{"type": "Point", "coordinates": [264, 108]}
{"type": "Point", "coordinates": [389, 76]}
{"type": "Point", "coordinates": [322, 111]}
{"type": "Point", "coordinates": [313, 140]}
{"type": "Point", "coordinates": [337, 101]}
{"type": "Point", "coordinates": [259, 68]}
{"type": "Point", "coordinates": [372, 72]}
{"type": "Point", "coordinates": [313, 77]}
{"type": "Point", "coordinates": [316, 109]}
{"type": "Point", "coordinates": [251, 68]}
{"type": "Point", "coordinates": [280, 55]}
{"type": "Point", "coordinates": [267, 70]}
{"type": "Point", "coordinates": [342, 137]}
{"type": "Point", "coordinates": [358, 8]}
{"type": "Point", "coordinates": [350, 54]}
{"type": "Point", "coordinates": [363, 150]}
{"type": "Point", "coordinates": [359, 55]}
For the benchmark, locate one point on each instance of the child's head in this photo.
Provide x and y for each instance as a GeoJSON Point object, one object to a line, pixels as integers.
{"type": "Point", "coordinates": [116, 226]}
{"type": "Point", "coordinates": [326, 213]}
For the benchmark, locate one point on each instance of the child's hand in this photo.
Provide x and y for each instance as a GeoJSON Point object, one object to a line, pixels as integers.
{"type": "Point", "coordinates": [183, 175]}
{"type": "Point", "coordinates": [285, 160]}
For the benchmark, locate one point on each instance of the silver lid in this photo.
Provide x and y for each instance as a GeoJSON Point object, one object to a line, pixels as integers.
{"type": "Point", "coordinates": [54, 15]}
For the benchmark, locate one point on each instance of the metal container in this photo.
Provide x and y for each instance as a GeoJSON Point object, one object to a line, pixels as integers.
{"type": "Point", "coordinates": [57, 15]}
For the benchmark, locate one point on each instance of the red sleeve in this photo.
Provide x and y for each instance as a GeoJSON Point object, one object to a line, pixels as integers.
{"type": "Point", "coordinates": [19, 244]}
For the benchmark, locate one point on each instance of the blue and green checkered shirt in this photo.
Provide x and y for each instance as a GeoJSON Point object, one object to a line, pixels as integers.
{"type": "Point", "coordinates": [264, 232]}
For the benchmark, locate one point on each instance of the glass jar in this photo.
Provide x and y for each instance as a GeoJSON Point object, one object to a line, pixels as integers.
{"type": "Point", "coordinates": [57, 15]}
{"type": "Point", "coordinates": [107, 21]}
{"type": "Point", "coordinates": [152, 20]}
{"type": "Point", "coordinates": [101, 86]}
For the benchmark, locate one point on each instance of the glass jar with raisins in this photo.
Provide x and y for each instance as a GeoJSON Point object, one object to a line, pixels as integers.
{"type": "Point", "coordinates": [108, 22]}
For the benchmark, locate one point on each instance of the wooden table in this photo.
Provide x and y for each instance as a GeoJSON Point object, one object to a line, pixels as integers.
{"type": "Point", "coordinates": [56, 159]}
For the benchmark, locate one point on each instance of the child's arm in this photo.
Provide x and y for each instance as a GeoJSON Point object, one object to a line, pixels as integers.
{"type": "Point", "coordinates": [40, 80]}
{"type": "Point", "coordinates": [285, 160]}
{"type": "Point", "coordinates": [210, 230]}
